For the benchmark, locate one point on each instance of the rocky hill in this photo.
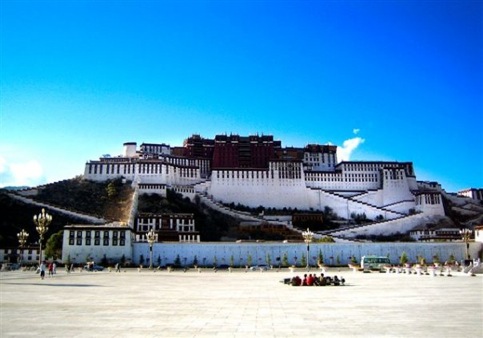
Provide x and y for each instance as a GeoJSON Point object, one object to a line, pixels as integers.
{"type": "Point", "coordinates": [111, 201]}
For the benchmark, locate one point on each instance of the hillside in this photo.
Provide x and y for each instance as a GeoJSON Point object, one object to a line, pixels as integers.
{"type": "Point", "coordinates": [464, 212]}
{"type": "Point", "coordinates": [109, 200]}
{"type": "Point", "coordinates": [212, 225]}
{"type": "Point", "coordinates": [18, 215]}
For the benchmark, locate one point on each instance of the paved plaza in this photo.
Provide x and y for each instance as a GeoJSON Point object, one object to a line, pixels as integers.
{"type": "Point", "coordinates": [238, 304]}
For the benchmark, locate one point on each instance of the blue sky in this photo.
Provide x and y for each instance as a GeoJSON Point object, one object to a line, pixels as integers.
{"type": "Point", "coordinates": [383, 80]}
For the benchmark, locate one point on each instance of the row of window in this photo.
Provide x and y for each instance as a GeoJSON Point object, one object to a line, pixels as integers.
{"type": "Point", "coordinates": [118, 237]}
{"type": "Point", "coordinates": [97, 233]}
{"type": "Point", "coordinates": [97, 241]}
{"type": "Point", "coordinates": [111, 168]}
{"type": "Point", "coordinates": [319, 157]}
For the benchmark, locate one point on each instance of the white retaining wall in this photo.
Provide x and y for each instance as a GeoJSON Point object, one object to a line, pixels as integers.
{"type": "Point", "coordinates": [333, 253]}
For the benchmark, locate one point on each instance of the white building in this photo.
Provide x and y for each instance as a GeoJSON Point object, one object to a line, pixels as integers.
{"type": "Point", "coordinates": [476, 194]}
{"type": "Point", "coordinates": [167, 227]}
{"type": "Point", "coordinates": [375, 188]}
{"type": "Point", "coordinates": [27, 255]}
{"type": "Point", "coordinates": [111, 242]}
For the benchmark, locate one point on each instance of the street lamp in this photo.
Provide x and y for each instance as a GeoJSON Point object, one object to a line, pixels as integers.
{"type": "Point", "coordinates": [42, 222]}
{"type": "Point", "coordinates": [465, 235]}
{"type": "Point", "coordinates": [151, 236]}
{"type": "Point", "coordinates": [308, 235]}
{"type": "Point", "coordinates": [22, 239]}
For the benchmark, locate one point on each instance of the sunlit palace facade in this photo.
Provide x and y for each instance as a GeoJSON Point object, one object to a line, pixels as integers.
{"type": "Point", "coordinates": [258, 171]}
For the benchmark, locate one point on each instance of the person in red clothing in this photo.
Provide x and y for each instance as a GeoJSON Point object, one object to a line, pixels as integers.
{"type": "Point", "coordinates": [310, 280]}
{"type": "Point", "coordinates": [51, 269]}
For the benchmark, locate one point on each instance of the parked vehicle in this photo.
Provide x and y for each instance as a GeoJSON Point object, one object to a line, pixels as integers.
{"type": "Point", "coordinates": [374, 262]}
{"type": "Point", "coordinates": [93, 267]}
{"type": "Point", "coordinates": [261, 267]}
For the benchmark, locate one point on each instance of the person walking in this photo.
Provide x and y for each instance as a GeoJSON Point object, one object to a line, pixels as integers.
{"type": "Point", "coordinates": [51, 269]}
{"type": "Point", "coordinates": [42, 270]}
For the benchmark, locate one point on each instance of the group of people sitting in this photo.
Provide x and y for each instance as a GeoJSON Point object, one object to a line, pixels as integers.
{"type": "Point", "coordinates": [313, 280]}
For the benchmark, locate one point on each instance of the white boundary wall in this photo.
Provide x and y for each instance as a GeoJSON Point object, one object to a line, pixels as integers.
{"type": "Point", "coordinates": [333, 253]}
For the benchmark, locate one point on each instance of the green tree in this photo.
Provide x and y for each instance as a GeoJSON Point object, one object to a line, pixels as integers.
{"type": "Point", "coordinates": [111, 190]}
{"type": "Point", "coordinates": [285, 259]}
{"type": "Point", "coordinates": [303, 260]}
{"type": "Point", "coordinates": [326, 239]}
{"type": "Point", "coordinates": [53, 247]}
{"type": "Point", "coordinates": [404, 258]}
{"type": "Point", "coordinates": [320, 258]}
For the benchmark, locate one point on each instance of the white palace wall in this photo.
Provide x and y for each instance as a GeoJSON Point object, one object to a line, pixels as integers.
{"type": "Point", "coordinates": [333, 253]}
{"type": "Point", "coordinates": [255, 188]}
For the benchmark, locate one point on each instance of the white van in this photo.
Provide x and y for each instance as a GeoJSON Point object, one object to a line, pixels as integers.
{"type": "Point", "coordinates": [374, 262]}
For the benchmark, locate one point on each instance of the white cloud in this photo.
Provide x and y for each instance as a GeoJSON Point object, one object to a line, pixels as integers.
{"type": "Point", "coordinates": [345, 151]}
{"type": "Point", "coordinates": [356, 131]}
{"type": "Point", "coordinates": [20, 172]}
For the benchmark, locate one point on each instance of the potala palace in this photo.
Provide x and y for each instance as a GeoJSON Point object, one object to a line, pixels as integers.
{"type": "Point", "coordinates": [257, 171]}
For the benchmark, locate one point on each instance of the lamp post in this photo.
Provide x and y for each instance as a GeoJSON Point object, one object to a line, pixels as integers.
{"type": "Point", "coordinates": [465, 235]}
{"type": "Point", "coordinates": [308, 235]}
{"type": "Point", "coordinates": [151, 236]}
{"type": "Point", "coordinates": [22, 239]}
{"type": "Point", "coordinates": [42, 222]}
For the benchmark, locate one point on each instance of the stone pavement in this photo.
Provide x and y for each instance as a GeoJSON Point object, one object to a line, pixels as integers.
{"type": "Point", "coordinates": [237, 304]}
